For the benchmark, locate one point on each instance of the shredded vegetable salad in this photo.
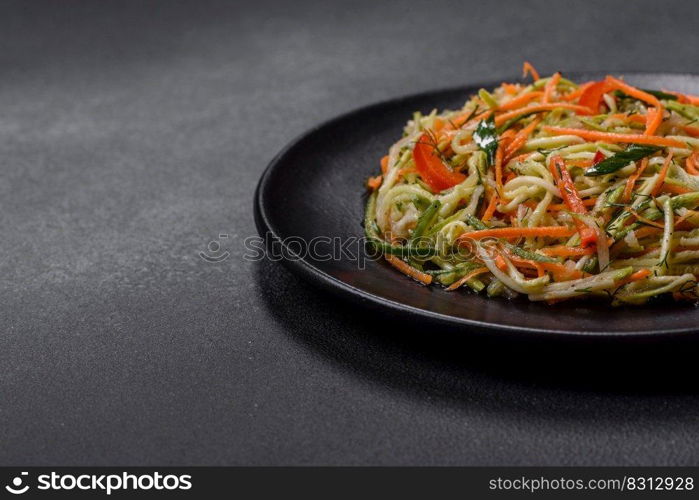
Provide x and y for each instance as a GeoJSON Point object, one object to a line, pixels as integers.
{"type": "Point", "coordinates": [555, 190]}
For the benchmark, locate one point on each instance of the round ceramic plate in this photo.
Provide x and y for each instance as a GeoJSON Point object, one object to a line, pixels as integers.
{"type": "Point", "coordinates": [309, 205]}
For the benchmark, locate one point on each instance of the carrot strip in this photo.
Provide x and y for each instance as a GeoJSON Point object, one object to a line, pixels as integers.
{"type": "Point", "coordinates": [577, 92]}
{"type": "Point", "coordinates": [551, 86]}
{"type": "Point", "coordinates": [629, 118]}
{"type": "Point", "coordinates": [538, 108]}
{"type": "Point", "coordinates": [519, 232]}
{"type": "Point", "coordinates": [560, 272]}
{"type": "Point", "coordinates": [564, 251]}
{"type": "Point", "coordinates": [374, 183]}
{"type": "Point", "coordinates": [518, 102]}
{"type": "Point", "coordinates": [384, 165]}
{"type": "Point", "coordinates": [557, 207]}
{"type": "Point", "coordinates": [571, 198]}
{"type": "Point", "coordinates": [593, 135]}
{"type": "Point", "coordinates": [691, 163]}
{"type": "Point", "coordinates": [408, 270]}
{"type": "Point", "coordinates": [519, 139]}
{"type": "Point", "coordinates": [463, 280]}
{"type": "Point", "coordinates": [662, 175]}
{"type": "Point", "coordinates": [638, 275]}
{"type": "Point", "coordinates": [644, 220]}
{"type": "Point", "coordinates": [500, 263]}
{"type": "Point", "coordinates": [498, 169]}
{"type": "Point", "coordinates": [642, 232]}
{"type": "Point", "coordinates": [523, 156]}
{"type": "Point", "coordinates": [693, 131]}
{"type": "Point", "coordinates": [527, 68]}
{"type": "Point", "coordinates": [491, 209]}
{"type": "Point", "coordinates": [674, 189]}
{"type": "Point", "coordinates": [510, 88]}
{"type": "Point", "coordinates": [653, 120]}
{"type": "Point", "coordinates": [580, 162]}
{"type": "Point", "coordinates": [460, 120]}
{"type": "Point", "coordinates": [631, 181]}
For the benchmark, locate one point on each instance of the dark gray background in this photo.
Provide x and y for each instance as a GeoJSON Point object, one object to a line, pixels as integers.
{"type": "Point", "coordinates": [134, 133]}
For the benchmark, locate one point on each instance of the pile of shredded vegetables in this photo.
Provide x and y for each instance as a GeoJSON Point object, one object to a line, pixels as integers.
{"type": "Point", "coordinates": [554, 190]}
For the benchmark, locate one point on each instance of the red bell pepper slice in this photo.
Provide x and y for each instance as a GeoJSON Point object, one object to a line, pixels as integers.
{"type": "Point", "coordinates": [571, 198]}
{"type": "Point", "coordinates": [431, 168]}
{"type": "Point", "coordinates": [592, 96]}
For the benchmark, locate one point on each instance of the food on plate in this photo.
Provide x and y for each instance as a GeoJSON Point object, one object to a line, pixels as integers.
{"type": "Point", "coordinates": [553, 189]}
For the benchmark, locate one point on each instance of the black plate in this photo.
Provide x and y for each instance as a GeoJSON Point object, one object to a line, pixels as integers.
{"type": "Point", "coordinates": [314, 189]}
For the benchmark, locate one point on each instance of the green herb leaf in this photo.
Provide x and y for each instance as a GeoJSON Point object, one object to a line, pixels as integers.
{"type": "Point", "coordinates": [486, 137]}
{"type": "Point", "coordinates": [609, 165]}
{"type": "Point", "coordinates": [655, 93]}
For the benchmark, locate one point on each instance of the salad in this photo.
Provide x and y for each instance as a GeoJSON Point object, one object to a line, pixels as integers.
{"type": "Point", "coordinates": [554, 189]}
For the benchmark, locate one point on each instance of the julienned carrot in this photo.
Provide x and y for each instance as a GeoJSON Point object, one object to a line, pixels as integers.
{"type": "Point", "coordinates": [577, 92]}
{"type": "Point", "coordinates": [538, 108]}
{"type": "Point", "coordinates": [564, 251]}
{"type": "Point", "coordinates": [691, 163]}
{"type": "Point", "coordinates": [646, 221]}
{"type": "Point", "coordinates": [519, 139]}
{"type": "Point", "coordinates": [593, 135]}
{"type": "Point", "coordinates": [693, 131]}
{"type": "Point", "coordinates": [675, 189]}
{"type": "Point", "coordinates": [523, 156]}
{"type": "Point", "coordinates": [384, 165]}
{"type": "Point", "coordinates": [460, 120]}
{"type": "Point", "coordinates": [551, 86]}
{"type": "Point", "coordinates": [557, 207]}
{"type": "Point", "coordinates": [571, 198]}
{"type": "Point", "coordinates": [491, 209]}
{"type": "Point", "coordinates": [374, 183]}
{"type": "Point", "coordinates": [629, 118]}
{"type": "Point", "coordinates": [638, 275]}
{"type": "Point", "coordinates": [463, 280]}
{"type": "Point", "coordinates": [580, 162]}
{"type": "Point", "coordinates": [646, 231]}
{"type": "Point", "coordinates": [499, 155]}
{"type": "Point", "coordinates": [500, 262]}
{"type": "Point", "coordinates": [408, 270]}
{"type": "Point", "coordinates": [527, 68]}
{"type": "Point", "coordinates": [521, 100]}
{"type": "Point", "coordinates": [511, 88]}
{"type": "Point", "coordinates": [631, 181]}
{"type": "Point", "coordinates": [662, 175]}
{"type": "Point", "coordinates": [519, 232]}
{"type": "Point", "coordinates": [559, 271]}
{"type": "Point", "coordinates": [653, 120]}
{"type": "Point", "coordinates": [530, 264]}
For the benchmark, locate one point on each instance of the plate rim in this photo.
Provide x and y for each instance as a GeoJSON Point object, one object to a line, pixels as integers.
{"type": "Point", "coordinates": [311, 273]}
